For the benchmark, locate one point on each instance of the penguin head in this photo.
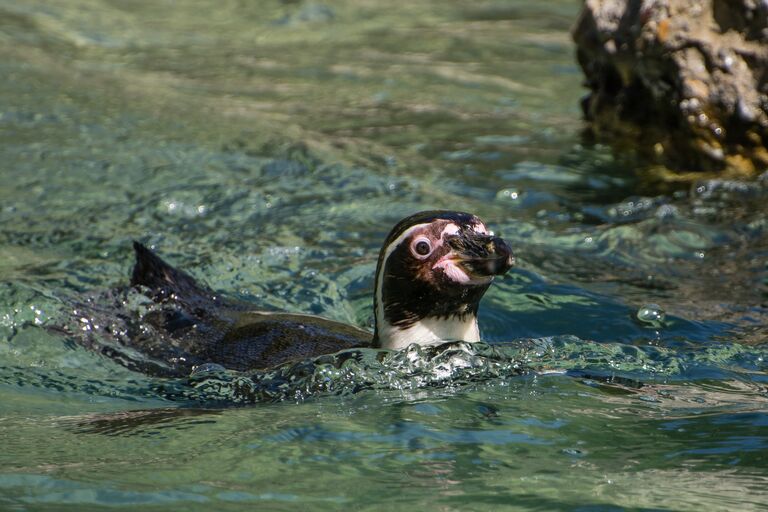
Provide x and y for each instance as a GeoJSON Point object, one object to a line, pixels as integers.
{"type": "Point", "coordinates": [433, 269]}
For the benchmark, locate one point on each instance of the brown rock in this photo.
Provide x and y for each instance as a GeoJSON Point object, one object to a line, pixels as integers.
{"type": "Point", "coordinates": [684, 81]}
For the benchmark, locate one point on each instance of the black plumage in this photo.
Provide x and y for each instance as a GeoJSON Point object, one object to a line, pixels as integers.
{"type": "Point", "coordinates": [182, 324]}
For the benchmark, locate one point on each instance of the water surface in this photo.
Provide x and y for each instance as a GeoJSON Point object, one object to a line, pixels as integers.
{"type": "Point", "coordinates": [267, 148]}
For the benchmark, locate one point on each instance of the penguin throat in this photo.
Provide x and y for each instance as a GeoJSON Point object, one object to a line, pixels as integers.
{"type": "Point", "coordinates": [429, 331]}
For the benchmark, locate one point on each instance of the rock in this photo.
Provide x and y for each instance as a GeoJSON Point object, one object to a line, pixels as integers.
{"type": "Point", "coordinates": [685, 82]}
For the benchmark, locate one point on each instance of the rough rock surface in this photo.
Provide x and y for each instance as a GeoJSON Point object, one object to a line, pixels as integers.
{"type": "Point", "coordinates": [683, 81]}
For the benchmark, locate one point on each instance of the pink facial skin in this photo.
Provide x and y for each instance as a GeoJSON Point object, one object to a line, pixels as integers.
{"type": "Point", "coordinates": [451, 270]}
{"type": "Point", "coordinates": [448, 262]}
{"type": "Point", "coordinates": [456, 273]}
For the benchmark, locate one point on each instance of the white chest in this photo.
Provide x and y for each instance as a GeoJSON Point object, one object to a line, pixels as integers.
{"type": "Point", "coordinates": [430, 331]}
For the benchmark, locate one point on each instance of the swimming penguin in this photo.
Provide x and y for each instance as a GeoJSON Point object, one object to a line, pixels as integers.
{"type": "Point", "coordinates": [432, 271]}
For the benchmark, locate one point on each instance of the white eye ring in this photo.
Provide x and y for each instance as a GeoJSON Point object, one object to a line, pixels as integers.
{"type": "Point", "coordinates": [421, 247]}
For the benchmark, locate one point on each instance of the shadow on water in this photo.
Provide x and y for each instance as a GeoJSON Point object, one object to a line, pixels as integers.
{"type": "Point", "coordinates": [146, 423]}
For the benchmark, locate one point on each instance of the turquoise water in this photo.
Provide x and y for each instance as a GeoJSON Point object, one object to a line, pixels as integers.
{"type": "Point", "coordinates": [268, 148]}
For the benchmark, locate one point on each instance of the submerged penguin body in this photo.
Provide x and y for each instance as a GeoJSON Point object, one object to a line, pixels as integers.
{"type": "Point", "coordinates": [192, 325]}
{"type": "Point", "coordinates": [432, 271]}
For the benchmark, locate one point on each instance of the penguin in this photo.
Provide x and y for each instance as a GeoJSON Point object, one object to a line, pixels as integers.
{"type": "Point", "coordinates": [432, 271]}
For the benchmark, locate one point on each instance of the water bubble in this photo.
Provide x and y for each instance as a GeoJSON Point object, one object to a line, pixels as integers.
{"type": "Point", "coordinates": [207, 368]}
{"type": "Point", "coordinates": [508, 193]}
{"type": "Point", "coordinates": [666, 211]}
{"type": "Point", "coordinates": [652, 315]}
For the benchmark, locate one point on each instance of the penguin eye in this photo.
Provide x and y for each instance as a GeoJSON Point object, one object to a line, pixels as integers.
{"type": "Point", "coordinates": [421, 247]}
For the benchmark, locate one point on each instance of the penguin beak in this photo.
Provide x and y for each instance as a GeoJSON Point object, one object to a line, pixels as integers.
{"type": "Point", "coordinates": [480, 256]}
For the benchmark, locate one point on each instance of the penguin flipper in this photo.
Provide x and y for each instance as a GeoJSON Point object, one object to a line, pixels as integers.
{"type": "Point", "coordinates": [152, 272]}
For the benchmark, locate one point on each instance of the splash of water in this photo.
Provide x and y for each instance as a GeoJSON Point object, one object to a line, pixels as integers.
{"type": "Point", "coordinates": [458, 363]}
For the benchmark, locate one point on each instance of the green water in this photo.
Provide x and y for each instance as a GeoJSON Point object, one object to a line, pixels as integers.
{"type": "Point", "coordinates": [268, 147]}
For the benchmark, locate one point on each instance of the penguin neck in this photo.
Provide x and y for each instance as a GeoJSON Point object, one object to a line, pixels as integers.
{"type": "Point", "coordinates": [428, 331]}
